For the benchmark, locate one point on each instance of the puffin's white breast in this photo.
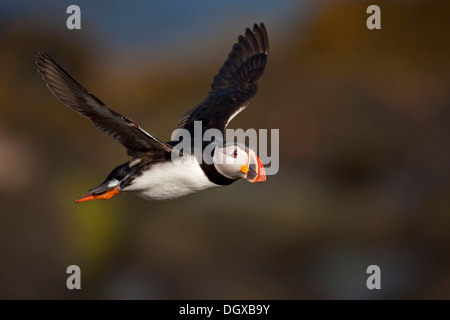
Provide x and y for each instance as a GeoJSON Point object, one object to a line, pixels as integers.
{"type": "Point", "coordinates": [169, 180]}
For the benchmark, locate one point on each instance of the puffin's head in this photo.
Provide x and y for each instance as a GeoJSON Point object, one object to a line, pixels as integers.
{"type": "Point", "coordinates": [238, 162]}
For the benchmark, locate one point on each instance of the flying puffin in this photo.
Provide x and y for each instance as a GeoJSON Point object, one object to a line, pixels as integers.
{"type": "Point", "coordinates": [151, 173]}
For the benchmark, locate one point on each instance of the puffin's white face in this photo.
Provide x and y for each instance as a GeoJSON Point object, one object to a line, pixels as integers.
{"type": "Point", "coordinates": [236, 162]}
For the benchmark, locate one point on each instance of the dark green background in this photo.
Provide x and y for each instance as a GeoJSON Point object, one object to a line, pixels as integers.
{"type": "Point", "coordinates": [364, 155]}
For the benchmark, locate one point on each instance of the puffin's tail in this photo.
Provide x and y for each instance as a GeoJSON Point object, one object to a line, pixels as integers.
{"type": "Point", "coordinates": [110, 187]}
{"type": "Point", "coordinates": [106, 190]}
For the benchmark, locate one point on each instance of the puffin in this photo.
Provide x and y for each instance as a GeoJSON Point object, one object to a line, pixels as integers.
{"type": "Point", "coordinates": [152, 173]}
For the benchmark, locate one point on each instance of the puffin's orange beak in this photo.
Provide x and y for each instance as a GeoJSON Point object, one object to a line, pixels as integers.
{"type": "Point", "coordinates": [107, 195]}
{"type": "Point", "coordinates": [256, 171]}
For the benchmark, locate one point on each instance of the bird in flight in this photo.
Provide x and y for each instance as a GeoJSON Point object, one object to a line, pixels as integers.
{"type": "Point", "coordinates": [151, 173]}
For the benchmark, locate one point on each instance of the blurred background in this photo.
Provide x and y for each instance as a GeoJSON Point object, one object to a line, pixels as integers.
{"type": "Point", "coordinates": [364, 152]}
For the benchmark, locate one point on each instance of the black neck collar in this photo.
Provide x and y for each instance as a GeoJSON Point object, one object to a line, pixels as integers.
{"type": "Point", "coordinates": [215, 176]}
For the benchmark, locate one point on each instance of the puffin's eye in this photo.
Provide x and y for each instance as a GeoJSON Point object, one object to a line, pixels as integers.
{"type": "Point", "coordinates": [234, 154]}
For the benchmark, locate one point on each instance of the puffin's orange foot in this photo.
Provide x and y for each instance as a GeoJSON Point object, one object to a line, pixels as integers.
{"type": "Point", "coordinates": [107, 195]}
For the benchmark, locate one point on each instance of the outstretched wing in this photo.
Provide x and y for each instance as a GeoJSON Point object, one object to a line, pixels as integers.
{"type": "Point", "coordinates": [75, 96]}
{"type": "Point", "coordinates": [234, 85]}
